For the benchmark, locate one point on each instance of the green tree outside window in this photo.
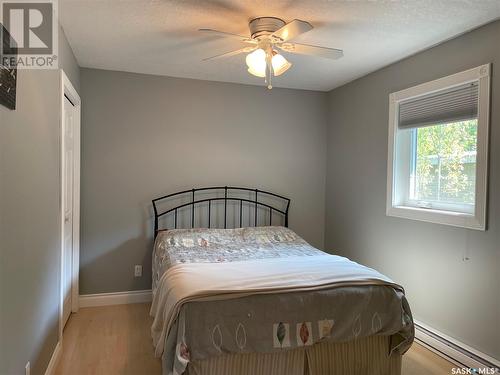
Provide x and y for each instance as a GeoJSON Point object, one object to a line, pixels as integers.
{"type": "Point", "coordinates": [445, 168]}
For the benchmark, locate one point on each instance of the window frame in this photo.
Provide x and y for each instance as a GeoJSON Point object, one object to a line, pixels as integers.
{"type": "Point", "coordinates": [395, 208]}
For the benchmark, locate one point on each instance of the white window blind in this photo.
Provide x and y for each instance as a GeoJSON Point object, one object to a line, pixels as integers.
{"type": "Point", "coordinates": [456, 104]}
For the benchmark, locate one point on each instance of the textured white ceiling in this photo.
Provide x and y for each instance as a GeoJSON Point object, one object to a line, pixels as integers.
{"type": "Point", "coordinates": [160, 36]}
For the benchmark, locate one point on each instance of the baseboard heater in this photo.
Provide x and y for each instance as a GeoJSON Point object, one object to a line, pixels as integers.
{"type": "Point", "coordinates": [456, 353]}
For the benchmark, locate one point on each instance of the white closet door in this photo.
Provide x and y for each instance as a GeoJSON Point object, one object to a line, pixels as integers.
{"type": "Point", "coordinates": [68, 181]}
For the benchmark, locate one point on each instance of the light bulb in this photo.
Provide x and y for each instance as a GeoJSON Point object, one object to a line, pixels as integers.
{"type": "Point", "coordinates": [280, 64]}
{"type": "Point", "coordinates": [256, 62]}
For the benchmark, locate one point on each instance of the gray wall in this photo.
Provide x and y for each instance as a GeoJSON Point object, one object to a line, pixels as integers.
{"type": "Point", "coordinates": [29, 221]}
{"type": "Point", "coordinates": [459, 298]}
{"type": "Point", "coordinates": [144, 136]}
{"type": "Point", "coordinates": [67, 60]}
{"type": "Point", "coordinates": [29, 207]}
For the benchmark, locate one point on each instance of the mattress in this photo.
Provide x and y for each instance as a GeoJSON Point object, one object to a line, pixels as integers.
{"type": "Point", "coordinates": [220, 292]}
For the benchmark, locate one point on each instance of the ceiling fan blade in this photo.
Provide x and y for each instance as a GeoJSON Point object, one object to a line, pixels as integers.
{"type": "Point", "coordinates": [225, 34]}
{"type": "Point", "coordinates": [292, 29]}
{"type": "Point", "coordinates": [307, 49]}
{"type": "Point", "coordinates": [231, 53]}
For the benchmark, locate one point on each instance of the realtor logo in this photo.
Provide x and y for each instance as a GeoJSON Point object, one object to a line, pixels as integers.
{"type": "Point", "coordinates": [33, 28]}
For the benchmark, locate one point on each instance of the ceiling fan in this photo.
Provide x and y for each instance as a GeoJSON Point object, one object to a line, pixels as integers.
{"type": "Point", "coordinates": [269, 36]}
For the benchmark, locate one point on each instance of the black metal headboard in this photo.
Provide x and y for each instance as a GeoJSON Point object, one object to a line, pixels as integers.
{"type": "Point", "coordinates": [253, 201]}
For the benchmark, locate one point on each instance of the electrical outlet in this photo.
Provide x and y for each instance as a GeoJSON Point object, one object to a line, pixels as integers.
{"type": "Point", "coordinates": [28, 368]}
{"type": "Point", "coordinates": [138, 270]}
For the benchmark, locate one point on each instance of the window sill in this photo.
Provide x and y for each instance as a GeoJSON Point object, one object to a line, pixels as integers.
{"type": "Point", "coordinates": [456, 219]}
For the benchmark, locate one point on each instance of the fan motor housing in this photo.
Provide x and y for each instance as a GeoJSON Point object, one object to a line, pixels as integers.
{"type": "Point", "coordinates": [263, 26]}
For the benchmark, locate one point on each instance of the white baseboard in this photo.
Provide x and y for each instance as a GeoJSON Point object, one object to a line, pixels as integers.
{"type": "Point", "coordinates": [118, 298]}
{"type": "Point", "coordinates": [51, 367]}
{"type": "Point", "coordinates": [451, 349]}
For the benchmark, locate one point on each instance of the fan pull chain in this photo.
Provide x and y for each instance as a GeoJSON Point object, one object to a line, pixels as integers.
{"type": "Point", "coordinates": [269, 67]}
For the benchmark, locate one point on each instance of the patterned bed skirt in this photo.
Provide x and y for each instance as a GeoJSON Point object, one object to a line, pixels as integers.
{"type": "Point", "coordinates": [367, 356]}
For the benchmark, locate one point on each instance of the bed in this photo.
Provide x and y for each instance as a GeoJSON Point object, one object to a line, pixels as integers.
{"type": "Point", "coordinates": [235, 292]}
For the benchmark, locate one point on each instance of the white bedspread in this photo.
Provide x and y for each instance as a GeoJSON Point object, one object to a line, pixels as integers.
{"type": "Point", "coordinates": [183, 283]}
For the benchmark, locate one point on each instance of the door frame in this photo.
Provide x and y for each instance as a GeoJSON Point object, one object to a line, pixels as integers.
{"type": "Point", "coordinates": [67, 89]}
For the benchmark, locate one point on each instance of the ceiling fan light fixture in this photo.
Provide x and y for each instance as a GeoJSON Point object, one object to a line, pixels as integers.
{"type": "Point", "coordinates": [256, 62]}
{"type": "Point", "coordinates": [268, 35]}
{"type": "Point", "coordinates": [257, 73]}
{"type": "Point", "coordinates": [280, 64]}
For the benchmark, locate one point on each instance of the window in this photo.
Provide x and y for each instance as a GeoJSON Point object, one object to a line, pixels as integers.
{"type": "Point", "coordinates": [438, 139]}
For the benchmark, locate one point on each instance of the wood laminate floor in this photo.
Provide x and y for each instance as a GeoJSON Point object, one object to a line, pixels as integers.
{"type": "Point", "coordinates": [115, 340]}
